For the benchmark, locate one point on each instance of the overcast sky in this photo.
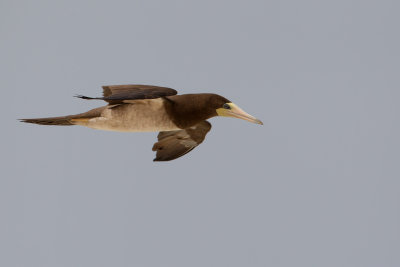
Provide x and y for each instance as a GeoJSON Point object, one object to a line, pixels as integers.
{"type": "Point", "coordinates": [316, 185]}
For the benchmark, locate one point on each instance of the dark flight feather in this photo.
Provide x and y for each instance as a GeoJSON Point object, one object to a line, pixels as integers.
{"type": "Point", "coordinates": [118, 94]}
{"type": "Point", "coordinates": [174, 144]}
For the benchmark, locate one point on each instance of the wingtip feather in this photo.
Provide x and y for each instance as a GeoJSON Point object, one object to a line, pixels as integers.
{"type": "Point", "coordinates": [84, 97]}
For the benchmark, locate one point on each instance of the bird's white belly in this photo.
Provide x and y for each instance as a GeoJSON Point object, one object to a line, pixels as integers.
{"type": "Point", "coordinates": [141, 116]}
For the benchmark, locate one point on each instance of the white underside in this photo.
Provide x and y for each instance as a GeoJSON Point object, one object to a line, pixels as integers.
{"type": "Point", "coordinates": [141, 116]}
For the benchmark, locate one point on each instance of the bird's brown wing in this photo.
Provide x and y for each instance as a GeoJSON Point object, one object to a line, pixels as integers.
{"type": "Point", "coordinates": [174, 144]}
{"type": "Point", "coordinates": [118, 94]}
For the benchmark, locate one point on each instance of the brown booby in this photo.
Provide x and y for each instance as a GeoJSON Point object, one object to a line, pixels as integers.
{"type": "Point", "coordinates": [180, 119]}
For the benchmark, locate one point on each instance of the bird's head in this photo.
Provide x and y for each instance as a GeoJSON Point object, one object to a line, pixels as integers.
{"type": "Point", "coordinates": [190, 109]}
{"type": "Point", "coordinates": [224, 107]}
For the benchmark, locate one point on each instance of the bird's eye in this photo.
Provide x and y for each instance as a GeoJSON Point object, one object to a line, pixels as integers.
{"type": "Point", "coordinates": [226, 106]}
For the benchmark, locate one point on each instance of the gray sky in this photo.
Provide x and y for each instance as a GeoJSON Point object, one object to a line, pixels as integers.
{"type": "Point", "coordinates": [317, 185]}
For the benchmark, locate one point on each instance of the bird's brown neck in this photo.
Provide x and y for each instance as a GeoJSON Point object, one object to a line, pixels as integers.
{"type": "Point", "coordinates": [188, 110]}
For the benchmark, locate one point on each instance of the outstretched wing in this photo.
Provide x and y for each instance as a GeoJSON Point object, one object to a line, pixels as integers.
{"type": "Point", "coordinates": [118, 94]}
{"type": "Point", "coordinates": [174, 144]}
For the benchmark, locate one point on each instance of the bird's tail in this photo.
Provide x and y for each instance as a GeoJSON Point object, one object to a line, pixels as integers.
{"type": "Point", "coordinates": [63, 120]}
{"type": "Point", "coordinates": [78, 119]}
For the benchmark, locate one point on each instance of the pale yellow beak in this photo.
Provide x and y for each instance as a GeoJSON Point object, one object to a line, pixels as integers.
{"type": "Point", "coordinates": [237, 112]}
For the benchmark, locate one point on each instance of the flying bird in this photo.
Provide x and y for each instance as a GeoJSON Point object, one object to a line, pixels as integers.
{"type": "Point", "coordinates": [181, 120]}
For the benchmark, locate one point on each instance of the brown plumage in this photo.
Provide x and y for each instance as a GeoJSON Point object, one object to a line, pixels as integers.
{"type": "Point", "coordinates": [181, 119]}
{"type": "Point", "coordinates": [174, 144]}
{"type": "Point", "coordinates": [66, 120]}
